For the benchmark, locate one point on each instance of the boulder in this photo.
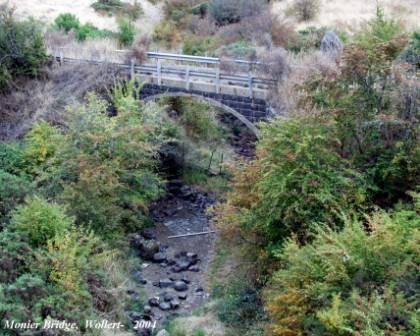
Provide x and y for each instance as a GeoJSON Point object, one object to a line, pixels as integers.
{"type": "Point", "coordinates": [180, 286]}
{"type": "Point", "coordinates": [164, 306]}
{"type": "Point", "coordinates": [182, 296]}
{"type": "Point", "coordinates": [165, 283]}
{"type": "Point", "coordinates": [175, 304]}
{"type": "Point", "coordinates": [159, 257]}
{"type": "Point", "coordinates": [331, 45]}
{"type": "Point", "coordinates": [148, 233]}
{"type": "Point", "coordinates": [154, 301]}
{"type": "Point", "coordinates": [147, 247]}
{"type": "Point", "coordinates": [167, 297]}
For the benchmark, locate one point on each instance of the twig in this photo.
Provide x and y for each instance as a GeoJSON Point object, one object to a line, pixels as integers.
{"type": "Point", "coordinates": [192, 234]}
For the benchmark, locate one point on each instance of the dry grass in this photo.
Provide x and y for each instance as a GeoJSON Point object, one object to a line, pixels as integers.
{"type": "Point", "coordinates": [48, 10]}
{"type": "Point", "coordinates": [47, 98]}
{"type": "Point", "coordinates": [207, 322]}
{"type": "Point", "coordinates": [350, 14]}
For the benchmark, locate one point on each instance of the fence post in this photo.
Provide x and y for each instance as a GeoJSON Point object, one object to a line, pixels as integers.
{"type": "Point", "coordinates": [159, 71]}
{"type": "Point", "coordinates": [61, 57]}
{"type": "Point", "coordinates": [250, 84]}
{"type": "Point", "coordinates": [187, 78]}
{"type": "Point", "coordinates": [132, 70]}
{"type": "Point", "coordinates": [218, 80]}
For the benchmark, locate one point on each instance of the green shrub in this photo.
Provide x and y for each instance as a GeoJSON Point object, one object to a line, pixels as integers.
{"type": "Point", "coordinates": [11, 157]}
{"type": "Point", "coordinates": [41, 143]}
{"type": "Point", "coordinates": [13, 190]}
{"type": "Point", "coordinates": [131, 10]}
{"type": "Point", "coordinates": [296, 180]}
{"type": "Point", "coordinates": [16, 256]}
{"type": "Point", "coordinates": [126, 33]}
{"type": "Point", "coordinates": [197, 46]}
{"type": "Point", "coordinates": [40, 220]}
{"type": "Point", "coordinates": [22, 49]}
{"type": "Point", "coordinates": [67, 22]}
{"type": "Point", "coordinates": [350, 282]}
{"type": "Point", "coordinates": [106, 172]}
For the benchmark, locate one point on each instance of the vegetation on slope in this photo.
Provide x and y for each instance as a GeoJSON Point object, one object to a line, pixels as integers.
{"type": "Point", "coordinates": [304, 211]}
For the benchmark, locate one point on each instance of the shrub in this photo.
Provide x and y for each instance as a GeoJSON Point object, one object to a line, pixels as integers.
{"type": "Point", "coordinates": [41, 143]}
{"type": "Point", "coordinates": [126, 33]}
{"type": "Point", "coordinates": [106, 173]}
{"type": "Point", "coordinates": [232, 11]}
{"type": "Point", "coordinates": [67, 22]}
{"type": "Point", "coordinates": [22, 49]}
{"type": "Point", "coordinates": [13, 190]}
{"type": "Point", "coordinates": [296, 180]}
{"type": "Point", "coordinates": [16, 256]}
{"type": "Point", "coordinates": [350, 282]}
{"type": "Point", "coordinates": [40, 220]}
{"type": "Point", "coordinates": [305, 10]}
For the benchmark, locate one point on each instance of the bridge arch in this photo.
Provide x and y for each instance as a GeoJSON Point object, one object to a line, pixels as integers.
{"type": "Point", "coordinates": [209, 101]}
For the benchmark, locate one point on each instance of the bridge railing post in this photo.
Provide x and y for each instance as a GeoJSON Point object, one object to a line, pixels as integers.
{"type": "Point", "coordinates": [61, 57]}
{"type": "Point", "coordinates": [217, 80]}
{"type": "Point", "coordinates": [132, 70]}
{"type": "Point", "coordinates": [159, 71]}
{"type": "Point", "coordinates": [250, 85]}
{"type": "Point", "coordinates": [187, 78]}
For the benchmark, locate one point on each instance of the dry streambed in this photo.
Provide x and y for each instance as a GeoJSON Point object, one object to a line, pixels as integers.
{"type": "Point", "coordinates": [172, 272]}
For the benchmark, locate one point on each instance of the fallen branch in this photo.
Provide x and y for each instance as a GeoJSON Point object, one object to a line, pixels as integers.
{"type": "Point", "coordinates": [192, 234]}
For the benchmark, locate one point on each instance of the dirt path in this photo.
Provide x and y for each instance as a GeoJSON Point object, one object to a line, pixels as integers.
{"type": "Point", "coordinates": [173, 276]}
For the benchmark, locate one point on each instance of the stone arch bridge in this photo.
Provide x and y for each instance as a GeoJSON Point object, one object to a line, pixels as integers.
{"type": "Point", "coordinates": [237, 90]}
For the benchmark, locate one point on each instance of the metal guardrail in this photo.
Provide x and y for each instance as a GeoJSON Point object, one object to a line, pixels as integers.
{"type": "Point", "coordinates": [186, 72]}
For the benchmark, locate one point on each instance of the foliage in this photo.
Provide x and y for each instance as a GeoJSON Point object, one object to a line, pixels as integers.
{"type": "Point", "coordinates": [350, 282]}
{"type": "Point", "coordinates": [13, 190]}
{"type": "Point", "coordinates": [42, 142]}
{"type": "Point", "coordinates": [69, 22]}
{"type": "Point", "coordinates": [199, 119]}
{"type": "Point", "coordinates": [106, 171]}
{"type": "Point", "coordinates": [232, 11]}
{"type": "Point", "coordinates": [305, 10]}
{"type": "Point", "coordinates": [126, 33]}
{"type": "Point", "coordinates": [22, 50]}
{"type": "Point", "coordinates": [296, 180]}
{"type": "Point", "coordinates": [197, 45]}
{"type": "Point", "coordinates": [40, 220]}
{"type": "Point", "coordinates": [118, 7]}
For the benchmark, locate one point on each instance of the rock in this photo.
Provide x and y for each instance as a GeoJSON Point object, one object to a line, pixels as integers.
{"type": "Point", "coordinates": [331, 45]}
{"type": "Point", "coordinates": [180, 286]}
{"type": "Point", "coordinates": [191, 255]}
{"type": "Point", "coordinates": [148, 233]}
{"type": "Point", "coordinates": [165, 283]}
{"type": "Point", "coordinates": [159, 257]}
{"type": "Point", "coordinates": [199, 289]}
{"type": "Point", "coordinates": [163, 332]}
{"type": "Point", "coordinates": [167, 297]}
{"type": "Point", "coordinates": [134, 316]}
{"type": "Point", "coordinates": [154, 301]}
{"type": "Point", "coordinates": [186, 280]}
{"type": "Point", "coordinates": [182, 296]}
{"type": "Point", "coordinates": [194, 269]}
{"type": "Point", "coordinates": [171, 262]}
{"type": "Point", "coordinates": [164, 306]}
{"type": "Point", "coordinates": [147, 309]}
{"type": "Point", "coordinates": [183, 265]}
{"type": "Point", "coordinates": [175, 304]}
{"type": "Point", "coordinates": [155, 283]}
{"type": "Point", "coordinates": [147, 248]}
{"type": "Point", "coordinates": [176, 269]}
